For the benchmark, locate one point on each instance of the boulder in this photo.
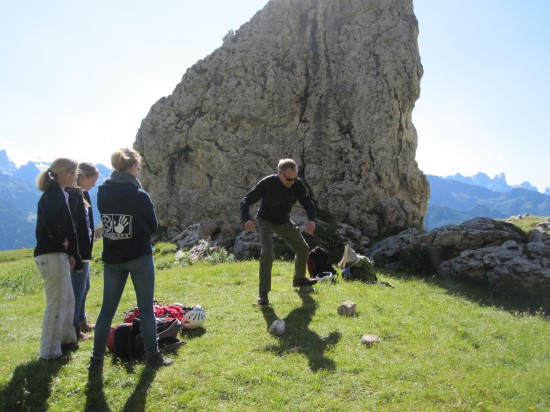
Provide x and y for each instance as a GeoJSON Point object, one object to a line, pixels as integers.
{"type": "Point", "coordinates": [508, 266]}
{"type": "Point", "coordinates": [247, 245]}
{"type": "Point", "coordinates": [189, 237]}
{"type": "Point", "coordinates": [331, 84]}
{"type": "Point", "coordinates": [494, 252]}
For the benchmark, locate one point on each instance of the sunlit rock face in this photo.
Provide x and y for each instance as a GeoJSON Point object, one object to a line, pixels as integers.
{"type": "Point", "coordinates": [330, 83]}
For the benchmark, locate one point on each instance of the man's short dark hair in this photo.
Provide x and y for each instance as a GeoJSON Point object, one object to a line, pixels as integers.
{"type": "Point", "coordinates": [285, 164]}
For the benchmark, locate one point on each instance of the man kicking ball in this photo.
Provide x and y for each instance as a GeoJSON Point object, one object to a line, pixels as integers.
{"type": "Point", "coordinates": [278, 193]}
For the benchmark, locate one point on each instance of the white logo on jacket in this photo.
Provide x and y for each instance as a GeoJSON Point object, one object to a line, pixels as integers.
{"type": "Point", "coordinates": [117, 227]}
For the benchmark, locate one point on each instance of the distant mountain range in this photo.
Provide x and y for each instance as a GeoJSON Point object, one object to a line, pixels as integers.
{"type": "Point", "coordinates": [19, 197]}
{"type": "Point", "coordinates": [497, 183]}
{"type": "Point", "coordinates": [454, 199]}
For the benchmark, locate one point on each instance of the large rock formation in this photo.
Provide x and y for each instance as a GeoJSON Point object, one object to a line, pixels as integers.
{"type": "Point", "coordinates": [330, 83]}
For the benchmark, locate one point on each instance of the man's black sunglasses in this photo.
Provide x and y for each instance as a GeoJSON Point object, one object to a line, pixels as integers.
{"type": "Point", "coordinates": [288, 179]}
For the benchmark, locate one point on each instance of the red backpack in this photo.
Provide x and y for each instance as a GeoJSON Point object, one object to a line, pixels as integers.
{"type": "Point", "coordinates": [161, 311]}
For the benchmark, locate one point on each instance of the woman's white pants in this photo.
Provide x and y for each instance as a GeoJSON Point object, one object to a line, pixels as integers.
{"type": "Point", "coordinates": [57, 326]}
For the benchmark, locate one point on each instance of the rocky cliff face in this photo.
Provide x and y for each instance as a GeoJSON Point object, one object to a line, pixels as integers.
{"type": "Point", "coordinates": [330, 83]}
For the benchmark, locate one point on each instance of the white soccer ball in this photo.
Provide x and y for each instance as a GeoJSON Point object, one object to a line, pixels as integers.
{"type": "Point", "coordinates": [277, 327]}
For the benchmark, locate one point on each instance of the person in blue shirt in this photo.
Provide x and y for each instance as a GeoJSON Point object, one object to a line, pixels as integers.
{"type": "Point", "coordinates": [129, 220]}
{"type": "Point", "coordinates": [277, 194]}
{"type": "Point", "coordinates": [81, 210]}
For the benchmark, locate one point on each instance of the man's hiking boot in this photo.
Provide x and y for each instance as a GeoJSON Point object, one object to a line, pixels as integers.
{"type": "Point", "coordinates": [303, 282]}
{"type": "Point", "coordinates": [263, 300]}
{"type": "Point", "coordinates": [86, 327]}
{"type": "Point", "coordinates": [81, 335]}
{"type": "Point", "coordinates": [95, 367]}
{"type": "Point", "coordinates": [157, 361]}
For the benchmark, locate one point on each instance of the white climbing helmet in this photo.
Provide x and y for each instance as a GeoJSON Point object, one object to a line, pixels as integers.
{"type": "Point", "coordinates": [194, 318]}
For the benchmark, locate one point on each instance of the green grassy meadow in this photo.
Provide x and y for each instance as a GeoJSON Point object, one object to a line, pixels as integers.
{"type": "Point", "coordinates": [444, 347]}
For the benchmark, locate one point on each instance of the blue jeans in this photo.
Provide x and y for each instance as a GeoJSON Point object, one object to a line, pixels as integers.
{"type": "Point", "coordinates": [142, 272]}
{"type": "Point", "coordinates": [81, 286]}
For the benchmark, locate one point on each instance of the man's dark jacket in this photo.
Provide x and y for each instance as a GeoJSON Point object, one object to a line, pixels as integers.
{"type": "Point", "coordinates": [277, 200]}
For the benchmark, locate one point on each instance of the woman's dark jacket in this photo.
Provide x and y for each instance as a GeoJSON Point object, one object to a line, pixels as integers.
{"type": "Point", "coordinates": [128, 218]}
{"type": "Point", "coordinates": [84, 220]}
{"type": "Point", "coordinates": [54, 224]}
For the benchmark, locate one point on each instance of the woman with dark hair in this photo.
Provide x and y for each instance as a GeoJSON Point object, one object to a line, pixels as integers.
{"type": "Point", "coordinates": [81, 210]}
{"type": "Point", "coordinates": [56, 253]}
{"type": "Point", "coordinates": [129, 220]}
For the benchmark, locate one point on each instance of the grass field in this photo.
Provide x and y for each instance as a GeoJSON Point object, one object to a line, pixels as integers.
{"type": "Point", "coordinates": [445, 347]}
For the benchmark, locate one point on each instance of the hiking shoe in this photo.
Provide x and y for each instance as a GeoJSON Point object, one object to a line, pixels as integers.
{"type": "Point", "coordinates": [81, 335]}
{"type": "Point", "coordinates": [303, 282]}
{"type": "Point", "coordinates": [263, 300]}
{"type": "Point", "coordinates": [95, 367]}
{"type": "Point", "coordinates": [157, 361]}
{"type": "Point", "coordinates": [86, 327]}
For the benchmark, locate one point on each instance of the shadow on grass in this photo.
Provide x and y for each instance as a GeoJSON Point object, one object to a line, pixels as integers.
{"type": "Point", "coordinates": [534, 304]}
{"type": "Point", "coordinates": [137, 401]}
{"type": "Point", "coordinates": [192, 333]}
{"type": "Point", "coordinates": [95, 397]}
{"type": "Point", "coordinates": [299, 338]}
{"type": "Point", "coordinates": [29, 387]}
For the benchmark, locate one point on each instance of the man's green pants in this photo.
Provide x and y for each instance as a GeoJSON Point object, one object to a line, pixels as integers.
{"type": "Point", "coordinates": [290, 233]}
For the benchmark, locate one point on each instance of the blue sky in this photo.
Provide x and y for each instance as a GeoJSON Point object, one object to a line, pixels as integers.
{"type": "Point", "coordinates": [484, 99]}
{"type": "Point", "coordinates": [77, 78]}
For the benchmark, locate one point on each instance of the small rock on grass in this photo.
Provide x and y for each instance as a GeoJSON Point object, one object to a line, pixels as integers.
{"type": "Point", "coordinates": [347, 308]}
{"type": "Point", "coordinates": [370, 339]}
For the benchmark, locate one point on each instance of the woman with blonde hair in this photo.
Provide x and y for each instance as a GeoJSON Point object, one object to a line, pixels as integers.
{"type": "Point", "coordinates": [129, 220]}
{"type": "Point", "coordinates": [56, 253]}
{"type": "Point", "coordinates": [81, 210]}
